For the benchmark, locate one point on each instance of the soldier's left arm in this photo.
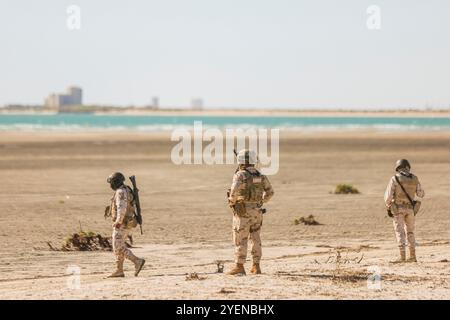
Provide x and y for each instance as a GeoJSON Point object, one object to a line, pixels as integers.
{"type": "Point", "coordinates": [235, 185]}
{"type": "Point", "coordinates": [420, 193]}
{"type": "Point", "coordinates": [389, 193]}
{"type": "Point", "coordinates": [121, 204]}
{"type": "Point", "coordinates": [268, 190]}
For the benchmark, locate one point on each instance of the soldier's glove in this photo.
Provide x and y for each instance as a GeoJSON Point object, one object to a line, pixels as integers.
{"type": "Point", "coordinates": [116, 225]}
{"type": "Point", "coordinates": [389, 213]}
{"type": "Point", "coordinates": [107, 212]}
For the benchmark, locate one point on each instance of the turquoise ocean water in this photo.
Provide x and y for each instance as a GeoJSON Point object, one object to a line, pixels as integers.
{"type": "Point", "coordinates": [91, 122]}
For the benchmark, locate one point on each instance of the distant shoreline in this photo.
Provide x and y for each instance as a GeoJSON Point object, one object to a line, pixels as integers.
{"type": "Point", "coordinates": [252, 113]}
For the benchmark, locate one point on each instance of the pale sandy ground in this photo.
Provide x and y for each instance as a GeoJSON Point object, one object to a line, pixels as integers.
{"type": "Point", "coordinates": [51, 182]}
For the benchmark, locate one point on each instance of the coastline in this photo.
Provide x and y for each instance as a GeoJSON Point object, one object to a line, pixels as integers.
{"type": "Point", "coordinates": [252, 113]}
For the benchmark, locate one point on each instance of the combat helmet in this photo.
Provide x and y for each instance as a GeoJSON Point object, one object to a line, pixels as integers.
{"type": "Point", "coordinates": [246, 156]}
{"type": "Point", "coordinates": [116, 180]}
{"type": "Point", "coordinates": [402, 163]}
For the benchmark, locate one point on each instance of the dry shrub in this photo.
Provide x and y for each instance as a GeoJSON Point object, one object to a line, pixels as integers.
{"type": "Point", "coordinates": [345, 189]}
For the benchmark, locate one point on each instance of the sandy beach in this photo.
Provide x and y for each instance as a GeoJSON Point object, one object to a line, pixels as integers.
{"type": "Point", "coordinates": [54, 182]}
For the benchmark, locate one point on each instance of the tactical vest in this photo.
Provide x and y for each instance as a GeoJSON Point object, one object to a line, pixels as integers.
{"type": "Point", "coordinates": [410, 185]}
{"type": "Point", "coordinates": [129, 219]}
{"type": "Point", "coordinates": [252, 190]}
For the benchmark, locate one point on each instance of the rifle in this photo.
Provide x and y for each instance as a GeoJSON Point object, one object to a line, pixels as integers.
{"type": "Point", "coordinates": [237, 169]}
{"type": "Point", "coordinates": [236, 154]}
{"type": "Point", "coordinates": [137, 203]}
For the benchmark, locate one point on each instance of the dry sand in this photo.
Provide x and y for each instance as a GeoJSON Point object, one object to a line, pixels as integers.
{"type": "Point", "coordinates": [52, 182]}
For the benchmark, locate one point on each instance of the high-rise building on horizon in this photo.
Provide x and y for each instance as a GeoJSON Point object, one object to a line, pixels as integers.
{"type": "Point", "coordinates": [74, 96]}
{"type": "Point", "coordinates": [197, 104]}
{"type": "Point", "coordinates": [155, 102]}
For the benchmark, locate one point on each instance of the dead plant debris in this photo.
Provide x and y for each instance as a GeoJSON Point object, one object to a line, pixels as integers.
{"type": "Point", "coordinates": [194, 276]}
{"type": "Point", "coordinates": [86, 241]}
{"type": "Point", "coordinates": [225, 291]}
{"type": "Point", "coordinates": [308, 221]}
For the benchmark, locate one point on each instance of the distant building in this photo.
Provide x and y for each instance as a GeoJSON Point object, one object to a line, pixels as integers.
{"type": "Point", "coordinates": [197, 104]}
{"type": "Point", "coordinates": [73, 97]}
{"type": "Point", "coordinates": [155, 102]}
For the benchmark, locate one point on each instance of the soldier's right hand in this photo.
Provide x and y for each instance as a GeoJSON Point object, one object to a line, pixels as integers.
{"type": "Point", "coordinates": [116, 225]}
{"type": "Point", "coordinates": [107, 211]}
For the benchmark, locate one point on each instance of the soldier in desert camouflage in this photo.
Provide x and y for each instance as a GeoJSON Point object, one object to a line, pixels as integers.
{"type": "Point", "coordinates": [123, 217]}
{"type": "Point", "coordinates": [399, 197]}
{"type": "Point", "coordinates": [249, 190]}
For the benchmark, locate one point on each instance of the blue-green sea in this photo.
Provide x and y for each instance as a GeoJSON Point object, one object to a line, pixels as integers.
{"type": "Point", "coordinates": [92, 122]}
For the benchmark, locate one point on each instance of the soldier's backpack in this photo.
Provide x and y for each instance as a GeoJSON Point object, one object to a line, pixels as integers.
{"type": "Point", "coordinates": [415, 204]}
{"type": "Point", "coordinates": [254, 187]}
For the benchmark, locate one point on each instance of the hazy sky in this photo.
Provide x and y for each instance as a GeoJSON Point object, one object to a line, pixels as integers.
{"type": "Point", "coordinates": [232, 53]}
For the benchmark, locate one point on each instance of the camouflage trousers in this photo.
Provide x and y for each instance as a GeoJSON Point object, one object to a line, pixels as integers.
{"type": "Point", "coordinates": [244, 228]}
{"type": "Point", "coordinates": [120, 249]}
{"type": "Point", "coordinates": [404, 221]}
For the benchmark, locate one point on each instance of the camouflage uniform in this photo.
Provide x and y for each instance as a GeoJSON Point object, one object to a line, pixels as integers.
{"type": "Point", "coordinates": [249, 224]}
{"type": "Point", "coordinates": [122, 213]}
{"type": "Point", "coordinates": [402, 210]}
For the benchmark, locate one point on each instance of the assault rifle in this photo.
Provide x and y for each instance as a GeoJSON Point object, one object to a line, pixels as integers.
{"type": "Point", "coordinates": [137, 204]}
{"type": "Point", "coordinates": [237, 169]}
{"type": "Point", "coordinates": [235, 155]}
